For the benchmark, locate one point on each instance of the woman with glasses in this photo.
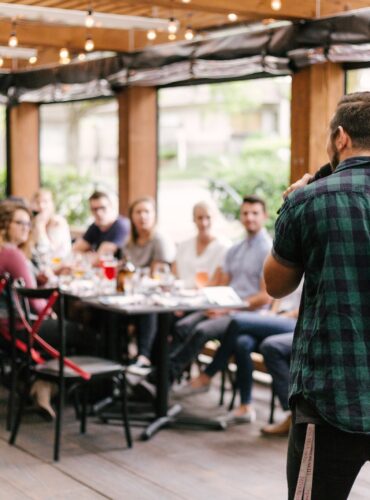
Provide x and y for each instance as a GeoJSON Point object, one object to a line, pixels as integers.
{"type": "Point", "coordinates": [15, 252]}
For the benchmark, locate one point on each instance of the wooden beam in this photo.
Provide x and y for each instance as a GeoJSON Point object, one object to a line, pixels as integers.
{"type": "Point", "coordinates": [23, 150]}
{"type": "Point", "coordinates": [137, 163]}
{"type": "Point", "coordinates": [316, 91]}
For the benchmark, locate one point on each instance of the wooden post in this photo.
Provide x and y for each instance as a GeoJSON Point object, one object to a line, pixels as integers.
{"type": "Point", "coordinates": [137, 163]}
{"type": "Point", "coordinates": [315, 93]}
{"type": "Point", "coordinates": [23, 163]}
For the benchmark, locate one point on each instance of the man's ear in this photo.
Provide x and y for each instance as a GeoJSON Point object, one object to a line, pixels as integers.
{"type": "Point", "coordinates": [342, 139]}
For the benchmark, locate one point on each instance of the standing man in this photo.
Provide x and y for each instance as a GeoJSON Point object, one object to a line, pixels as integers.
{"type": "Point", "coordinates": [108, 232]}
{"type": "Point", "coordinates": [323, 231]}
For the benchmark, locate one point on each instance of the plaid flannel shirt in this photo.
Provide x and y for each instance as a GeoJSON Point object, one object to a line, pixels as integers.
{"type": "Point", "coordinates": [324, 228]}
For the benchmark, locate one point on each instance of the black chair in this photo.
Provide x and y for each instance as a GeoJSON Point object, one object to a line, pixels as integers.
{"type": "Point", "coordinates": [81, 371]}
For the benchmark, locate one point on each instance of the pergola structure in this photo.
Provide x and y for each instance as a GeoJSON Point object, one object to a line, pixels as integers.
{"type": "Point", "coordinates": [308, 39]}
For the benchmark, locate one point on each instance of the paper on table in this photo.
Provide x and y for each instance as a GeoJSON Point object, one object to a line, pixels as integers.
{"type": "Point", "coordinates": [222, 296]}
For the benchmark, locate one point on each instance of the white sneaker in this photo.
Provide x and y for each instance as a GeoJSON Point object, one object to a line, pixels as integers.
{"type": "Point", "coordinates": [246, 418]}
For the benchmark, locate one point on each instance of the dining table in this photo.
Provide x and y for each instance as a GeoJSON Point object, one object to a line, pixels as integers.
{"type": "Point", "coordinates": [164, 303]}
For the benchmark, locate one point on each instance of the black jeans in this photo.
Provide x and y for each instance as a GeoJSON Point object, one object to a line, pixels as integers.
{"type": "Point", "coordinates": [338, 459]}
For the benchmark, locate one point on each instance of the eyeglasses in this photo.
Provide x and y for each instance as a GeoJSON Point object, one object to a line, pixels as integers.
{"type": "Point", "coordinates": [22, 223]}
{"type": "Point", "coordinates": [102, 208]}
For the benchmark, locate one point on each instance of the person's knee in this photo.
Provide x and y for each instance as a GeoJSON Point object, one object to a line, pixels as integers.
{"type": "Point", "coordinates": [267, 348]}
{"type": "Point", "coordinates": [245, 344]}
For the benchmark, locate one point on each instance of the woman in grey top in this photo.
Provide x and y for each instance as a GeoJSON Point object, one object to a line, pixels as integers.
{"type": "Point", "coordinates": [146, 248]}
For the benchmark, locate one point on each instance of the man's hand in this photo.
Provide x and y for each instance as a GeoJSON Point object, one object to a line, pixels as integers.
{"type": "Point", "coordinates": [296, 185]}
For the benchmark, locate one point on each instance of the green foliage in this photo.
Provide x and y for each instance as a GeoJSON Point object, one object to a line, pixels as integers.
{"type": "Point", "coordinates": [2, 182]}
{"type": "Point", "coordinates": [71, 192]}
{"type": "Point", "coordinates": [261, 169]}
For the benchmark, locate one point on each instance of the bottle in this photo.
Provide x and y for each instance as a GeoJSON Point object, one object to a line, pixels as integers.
{"type": "Point", "coordinates": [124, 272]}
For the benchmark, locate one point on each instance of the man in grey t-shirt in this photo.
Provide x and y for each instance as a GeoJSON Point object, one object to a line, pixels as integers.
{"type": "Point", "coordinates": [243, 271]}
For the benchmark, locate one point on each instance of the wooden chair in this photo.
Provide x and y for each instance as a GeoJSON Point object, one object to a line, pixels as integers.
{"type": "Point", "coordinates": [82, 371]}
{"type": "Point", "coordinates": [260, 374]}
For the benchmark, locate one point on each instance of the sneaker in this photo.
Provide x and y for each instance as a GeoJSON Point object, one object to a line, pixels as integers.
{"type": "Point", "coordinates": [281, 429]}
{"type": "Point", "coordinates": [188, 390]}
{"type": "Point", "coordinates": [139, 368]}
{"type": "Point", "coordinates": [246, 418]}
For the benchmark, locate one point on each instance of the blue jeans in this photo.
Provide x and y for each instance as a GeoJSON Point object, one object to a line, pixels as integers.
{"type": "Point", "coordinates": [243, 336]}
{"type": "Point", "coordinates": [276, 352]}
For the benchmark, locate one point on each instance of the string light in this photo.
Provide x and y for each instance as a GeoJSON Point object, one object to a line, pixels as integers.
{"type": "Point", "coordinates": [172, 37]}
{"type": "Point", "coordinates": [64, 53]}
{"type": "Point", "coordinates": [13, 40]}
{"type": "Point", "coordinates": [189, 34]}
{"type": "Point", "coordinates": [89, 44]}
{"type": "Point", "coordinates": [275, 4]}
{"type": "Point", "coordinates": [232, 17]}
{"type": "Point", "coordinates": [81, 56]}
{"type": "Point", "coordinates": [32, 60]}
{"type": "Point", "coordinates": [151, 35]}
{"type": "Point", "coordinates": [65, 60]}
{"type": "Point", "coordinates": [172, 26]}
{"type": "Point", "coordinates": [186, 1]}
{"type": "Point", "coordinates": [1, 62]}
{"type": "Point", "coordinates": [89, 19]}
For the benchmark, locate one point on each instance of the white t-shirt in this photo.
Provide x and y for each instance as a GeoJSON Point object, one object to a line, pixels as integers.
{"type": "Point", "coordinates": [188, 263]}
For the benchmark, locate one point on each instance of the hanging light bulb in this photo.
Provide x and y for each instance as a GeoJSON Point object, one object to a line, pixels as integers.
{"type": "Point", "coordinates": [186, 1]}
{"type": "Point", "coordinates": [32, 60]}
{"type": "Point", "coordinates": [189, 34]}
{"type": "Point", "coordinates": [232, 17]}
{"type": "Point", "coordinates": [64, 60]}
{"type": "Point", "coordinates": [275, 4]}
{"type": "Point", "coordinates": [89, 19]}
{"type": "Point", "coordinates": [81, 56]}
{"type": "Point", "coordinates": [13, 40]}
{"type": "Point", "coordinates": [172, 37]}
{"type": "Point", "coordinates": [172, 25]}
{"type": "Point", "coordinates": [89, 44]}
{"type": "Point", "coordinates": [64, 53]}
{"type": "Point", "coordinates": [1, 62]}
{"type": "Point", "coordinates": [151, 34]}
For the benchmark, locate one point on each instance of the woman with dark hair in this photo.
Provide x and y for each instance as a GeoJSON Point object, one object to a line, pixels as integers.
{"type": "Point", "coordinates": [146, 248]}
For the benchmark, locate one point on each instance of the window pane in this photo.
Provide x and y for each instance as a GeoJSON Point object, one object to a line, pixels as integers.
{"type": "Point", "coordinates": [78, 153]}
{"type": "Point", "coordinates": [358, 80]}
{"type": "Point", "coordinates": [222, 141]}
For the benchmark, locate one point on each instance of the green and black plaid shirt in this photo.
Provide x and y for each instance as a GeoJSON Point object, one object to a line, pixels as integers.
{"type": "Point", "coordinates": [325, 229]}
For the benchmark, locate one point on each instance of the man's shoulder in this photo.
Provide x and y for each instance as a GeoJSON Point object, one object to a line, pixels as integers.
{"type": "Point", "coordinates": [122, 221]}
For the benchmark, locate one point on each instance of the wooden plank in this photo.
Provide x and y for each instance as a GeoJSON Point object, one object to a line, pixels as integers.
{"type": "Point", "coordinates": [24, 171]}
{"type": "Point", "coordinates": [315, 93]}
{"type": "Point", "coordinates": [137, 163]}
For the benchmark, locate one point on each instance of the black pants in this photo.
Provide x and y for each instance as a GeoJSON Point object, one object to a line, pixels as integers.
{"type": "Point", "coordinates": [338, 459]}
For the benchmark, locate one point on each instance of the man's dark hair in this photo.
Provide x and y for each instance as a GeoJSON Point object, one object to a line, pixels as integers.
{"type": "Point", "coordinates": [253, 198]}
{"type": "Point", "coordinates": [353, 114]}
{"type": "Point", "coordinates": [97, 195]}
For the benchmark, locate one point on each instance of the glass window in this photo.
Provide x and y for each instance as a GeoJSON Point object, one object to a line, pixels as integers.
{"type": "Point", "coordinates": [219, 142]}
{"type": "Point", "coordinates": [78, 153]}
{"type": "Point", "coordinates": [358, 80]}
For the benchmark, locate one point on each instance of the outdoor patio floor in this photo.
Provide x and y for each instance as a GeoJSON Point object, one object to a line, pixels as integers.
{"type": "Point", "coordinates": [175, 464]}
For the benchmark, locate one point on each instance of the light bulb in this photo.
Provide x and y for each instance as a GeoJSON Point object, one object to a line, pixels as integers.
{"type": "Point", "coordinates": [64, 53]}
{"type": "Point", "coordinates": [13, 40]}
{"type": "Point", "coordinates": [65, 60]}
{"type": "Point", "coordinates": [151, 35]}
{"type": "Point", "coordinates": [186, 1]}
{"type": "Point", "coordinates": [172, 37]}
{"type": "Point", "coordinates": [89, 44]}
{"type": "Point", "coordinates": [32, 60]}
{"type": "Point", "coordinates": [1, 62]}
{"type": "Point", "coordinates": [189, 34]}
{"type": "Point", "coordinates": [81, 56]}
{"type": "Point", "coordinates": [172, 25]}
{"type": "Point", "coordinates": [275, 4]}
{"type": "Point", "coordinates": [89, 19]}
{"type": "Point", "coordinates": [232, 17]}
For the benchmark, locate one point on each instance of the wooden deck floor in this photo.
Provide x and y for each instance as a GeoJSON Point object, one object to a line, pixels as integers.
{"type": "Point", "coordinates": [175, 464]}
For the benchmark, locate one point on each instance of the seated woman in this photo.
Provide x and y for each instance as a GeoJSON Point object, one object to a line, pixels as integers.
{"type": "Point", "coordinates": [202, 254]}
{"type": "Point", "coordinates": [15, 252]}
{"type": "Point", "coordinates": [50, 231]}
{"type": "Point", "coordinates": [243, 336]}
{"type": "Point", "coordinates": [146, 248]}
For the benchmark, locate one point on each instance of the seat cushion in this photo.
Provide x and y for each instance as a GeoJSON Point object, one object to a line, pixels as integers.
{"type": "Point", "coordinates": [90, 364]}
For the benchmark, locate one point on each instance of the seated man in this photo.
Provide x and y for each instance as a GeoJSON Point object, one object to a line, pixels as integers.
{"type": "Point", "coordinates": [242, 270]}
{"type": "Point", "coordinates": [108, 232]}
{"type": "Point", "coordinates": [276, 351]}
